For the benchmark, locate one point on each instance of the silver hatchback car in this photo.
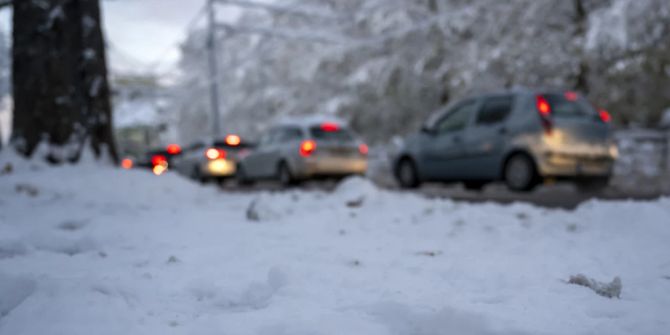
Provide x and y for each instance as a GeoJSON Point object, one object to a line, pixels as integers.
{"type": "Point", "coordinates": [519, 137]}
{"type": "Point", "coordinates": [295, 151]}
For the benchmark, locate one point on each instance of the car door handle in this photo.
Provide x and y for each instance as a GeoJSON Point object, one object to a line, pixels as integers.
{"type": "Point", "coordinates": [502, 130]}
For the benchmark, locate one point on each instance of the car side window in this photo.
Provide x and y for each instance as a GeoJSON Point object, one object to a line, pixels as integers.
{"type": "Point", "coordinates": [457, 118]}
{"type": "Point", "coordinates": [195, 146]}
{"type": "Point", "coordinates": [288, 134]}
{"type": "Point", "coordinates": [268, 137]}
{"type": "Point", "coordinates": [494, 110]}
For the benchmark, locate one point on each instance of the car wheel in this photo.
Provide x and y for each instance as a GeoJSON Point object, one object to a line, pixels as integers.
{"type": "Point", "coordinates": [520, 173]}
{"type": "Point", "coordinates": [242, 178]}
{"type": "Point", "coordinates": [592, 185]}
{"type": "Point", "coordinates": [284, 175]}
{"type": "Point", "coordinates": [197, 175]}
{"type": "Point", "coordinates": [407, 175]}
{"type": "Point", "coordinates": [476, 186]}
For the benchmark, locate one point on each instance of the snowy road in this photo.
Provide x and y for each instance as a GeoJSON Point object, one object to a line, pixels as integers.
{"type": "Point", "coordinates": [92, 250]}
{"type": "Point", "coordinates": [562, 195]}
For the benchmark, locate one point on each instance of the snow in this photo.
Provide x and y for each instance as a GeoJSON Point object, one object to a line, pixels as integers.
{"type": "Point", "coordinates": [6, 104]}
{"type": "Point", "coordinates": [99, 250]}
{"type": "Point", "coordinates": [140, 112]}
{"type": "Point", "coordinates": [608, 26]}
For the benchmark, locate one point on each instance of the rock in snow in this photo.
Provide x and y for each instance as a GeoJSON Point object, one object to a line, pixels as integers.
{"type": "Point", "coordinates": [608, 290]}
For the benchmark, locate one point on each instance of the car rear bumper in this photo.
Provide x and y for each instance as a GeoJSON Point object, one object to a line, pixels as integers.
{"type": "Point", "coordinates": [553, 164]}
{"type": "Point", "coordinates": [331, 166]}
{"type": "Point", "coordinates": [219, 168]}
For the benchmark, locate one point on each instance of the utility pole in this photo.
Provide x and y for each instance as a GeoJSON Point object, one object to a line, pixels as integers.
{"type": "Point", "coordinates": [213, 69]}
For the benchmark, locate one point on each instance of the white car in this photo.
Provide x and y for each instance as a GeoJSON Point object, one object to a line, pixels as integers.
{"type": "Point", "coordinates": [212, 160]}
{"type": "Point", "coordinates": [291, 152]}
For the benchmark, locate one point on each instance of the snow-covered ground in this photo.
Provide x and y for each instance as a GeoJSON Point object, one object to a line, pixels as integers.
{"type": "Point", "coordinates": [96, 250]}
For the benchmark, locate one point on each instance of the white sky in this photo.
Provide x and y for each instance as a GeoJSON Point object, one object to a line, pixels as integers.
{"type": "Point", "coordinates": [144, 32]}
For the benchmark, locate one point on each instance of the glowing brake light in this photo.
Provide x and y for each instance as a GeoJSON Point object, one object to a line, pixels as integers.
{"type": "Point", "coordinates": [307, 147]}
{"type": "Point", "coordinates": [158, 160]}
{"type": "Point", "coordinates": [233, 140]}
{"type": "Point", "coordinates": [363, 149]}
{"type": "Point", "coordinates": [214, 154]}
{"type": "Point", "coordinates": [160, 169]}
{"type": "Point", "coordinates": [571, 96]}
{"type": "Point", "coordinates": [543, 106]}
{"type": "Point", "coordinates": [159, 164]}
{"type": "Point", "coordinates": [329, 127]}
{"type": "Point", "coordinates": [173, 149]}
{"type": "Point", "coordinates": [604, 116]}
{"type": "Point", "coordinates": [544, 109]}
{"type": "Point", "coordinates": [127, 163]}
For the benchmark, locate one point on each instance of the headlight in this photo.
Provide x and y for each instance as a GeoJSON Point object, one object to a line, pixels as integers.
{"type": "Point", "coordinates": [614, 151]}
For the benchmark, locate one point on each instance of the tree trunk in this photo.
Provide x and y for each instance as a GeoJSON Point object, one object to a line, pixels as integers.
{"type": "Point", "coordinates": [583, 70]}
{"type": "Point", "coordinates": [61, 93]}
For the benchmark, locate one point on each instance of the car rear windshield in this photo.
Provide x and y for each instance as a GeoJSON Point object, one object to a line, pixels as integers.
{"type": "Point", "coordinates": [563, 106]}
{"type": "Point", "coordinates": [341, 134]}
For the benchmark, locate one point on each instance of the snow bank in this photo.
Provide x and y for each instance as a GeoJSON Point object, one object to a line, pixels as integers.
{"type": "Point", "coordinates": [13, 291]}
{"type": "Point", "coordinates": [355, 190]}
{"type": "Point", "coordinates": [106, 251]}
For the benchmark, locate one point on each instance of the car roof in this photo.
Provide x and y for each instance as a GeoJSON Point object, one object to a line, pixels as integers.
{"type": "Point", "coordinates": [308, 121]}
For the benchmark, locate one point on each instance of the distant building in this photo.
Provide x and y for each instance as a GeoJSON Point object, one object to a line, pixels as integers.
{"type": "Point", "coordinates": [140, 120]}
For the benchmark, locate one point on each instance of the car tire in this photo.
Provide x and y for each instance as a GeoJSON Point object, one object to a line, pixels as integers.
{"type": "Point", "coordinates": [476, 186]}
{"type": "Point", "coordinates": [406, 174]}
{"type": "Point", "coordinates": [197, 175]}
{"type": "Point", "coordinates": [520, 173]}
{"type": "Point", "coordinates": [284, 175]}
{"type": "Point", "coordinates": [242, 178]}
{"type": "Point", "coordinates": [592, 185]}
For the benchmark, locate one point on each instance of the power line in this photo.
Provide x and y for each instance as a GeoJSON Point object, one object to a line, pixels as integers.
{"type": "Point", "coordinates": [213, 68]}
{"type": "Point", "coordinates": [309, 36]}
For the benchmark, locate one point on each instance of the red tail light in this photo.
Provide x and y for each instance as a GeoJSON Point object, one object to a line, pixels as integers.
{"type": "Point", "coordinates": [214, 154]}
{"type": "Point", "coordinates": [543, 106]}
{"type": "Point", "coordinates": [158, 160]}
{"type": "Point", "coordinates": [329, 126]}
{"type": "Point", "coordinates": [604, 116]}
{"type": "Point", "coordinates": [233, 140]}
{"type": "Point", "coordinates": [173, 149]}
{"type": "Point", "coordinates": [544, 109]}
{"type": "Point", "coordinates": [363, 149]}
{"type": "Point", "coordinates": [307, 147]}
{"type": "Point", "coordinates": [127, 163]}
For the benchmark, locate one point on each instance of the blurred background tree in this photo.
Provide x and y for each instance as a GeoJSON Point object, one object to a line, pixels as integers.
{"type": "Point", "coordinates": [5, 75]}
{"type": "Point", "coordinates": [59, 81]}
{"type": "Point", "coordinates": [400, 60]}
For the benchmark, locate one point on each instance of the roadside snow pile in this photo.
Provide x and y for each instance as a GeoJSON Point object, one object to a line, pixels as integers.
{"type": "Point", "coordinates": [354, 191]}
{"type": "Point", "coordinates": [608, 290]}
{"type": "Point", "coordinates": [13, 291]}
{"type": "Point", "coordinates": [99, 250]}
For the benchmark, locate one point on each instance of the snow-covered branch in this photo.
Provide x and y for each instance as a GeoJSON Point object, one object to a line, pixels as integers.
{"type": "Point", "coordinates": [309, 36]}
{"type": "Point", "coordinates": [313, 12]}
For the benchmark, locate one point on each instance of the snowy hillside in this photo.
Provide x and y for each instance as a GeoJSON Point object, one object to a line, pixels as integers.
{"type": "Point", "coordinates": [161, 255]}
